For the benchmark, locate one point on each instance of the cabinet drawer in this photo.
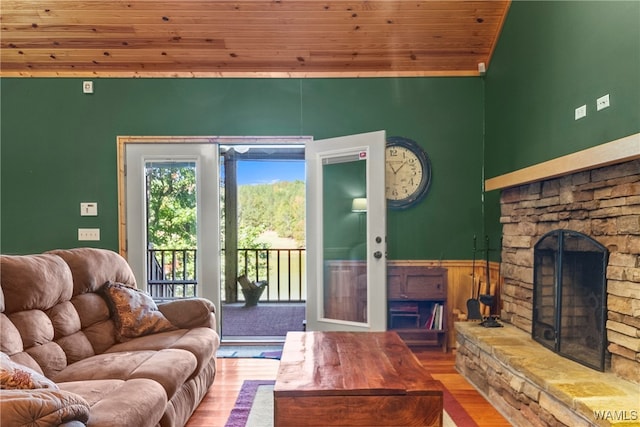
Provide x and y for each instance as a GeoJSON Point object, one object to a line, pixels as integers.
{"type": "Point", "coordinates": [416, 283]}
{"type": "Point", "coordinates": [421, 286]}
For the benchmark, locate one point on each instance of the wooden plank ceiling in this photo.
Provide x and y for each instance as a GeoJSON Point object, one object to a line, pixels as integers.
{"type": "Point", "coordinates": [270, 38]}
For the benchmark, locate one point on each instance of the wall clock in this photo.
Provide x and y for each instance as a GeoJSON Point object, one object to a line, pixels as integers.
{"type": "Point", "coordinates": [407, 172]}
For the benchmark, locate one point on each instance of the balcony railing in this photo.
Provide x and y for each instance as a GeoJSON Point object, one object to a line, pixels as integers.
{"type": "Point", "coordinates": [283, 269]}
{"type": "Point", "coordinates": [172, 273]}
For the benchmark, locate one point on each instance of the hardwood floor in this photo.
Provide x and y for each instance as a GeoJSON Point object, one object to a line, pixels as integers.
{"type": "Point", "coordinates": [441, 366]}
{"type": "Point", "coordinates": [217, 404]}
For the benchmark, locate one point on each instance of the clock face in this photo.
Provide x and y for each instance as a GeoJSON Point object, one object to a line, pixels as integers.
{"type": "Point", "coordinates": [407, 172]}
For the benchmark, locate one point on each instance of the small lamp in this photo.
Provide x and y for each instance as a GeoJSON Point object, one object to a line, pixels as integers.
{"type": "Point", "coordinates": [359, 205]}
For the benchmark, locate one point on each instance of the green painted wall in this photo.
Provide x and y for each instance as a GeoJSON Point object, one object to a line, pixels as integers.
{"type": "Point", "coordinates": [552, 57]}
{"type": "Point", "coordinates": [59, 146]}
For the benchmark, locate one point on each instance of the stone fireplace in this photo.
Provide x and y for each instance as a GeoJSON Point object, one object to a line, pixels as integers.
{"type": "Point", "coordinates": [570, 242]}
{"type": "Point", "coordinates": [602, 204]}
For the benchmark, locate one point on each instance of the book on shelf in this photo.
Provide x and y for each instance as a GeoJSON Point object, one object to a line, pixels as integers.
{"type": "Point", "coordinates": [435, 318]}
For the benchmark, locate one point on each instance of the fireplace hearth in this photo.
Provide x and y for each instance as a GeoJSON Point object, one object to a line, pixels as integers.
{"type": "Point", "coordinates": [569, 296]}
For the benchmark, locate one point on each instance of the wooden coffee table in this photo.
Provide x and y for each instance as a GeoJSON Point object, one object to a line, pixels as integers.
{"type": "Point", "coordinates": [353, 379]}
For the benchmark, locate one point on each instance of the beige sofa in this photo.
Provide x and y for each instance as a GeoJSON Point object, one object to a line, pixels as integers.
{"type": "Point", "coordinates": [81, 346]}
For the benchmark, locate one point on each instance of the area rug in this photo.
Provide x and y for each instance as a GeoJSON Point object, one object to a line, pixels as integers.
{"type": "Point", "coordinates": [250, 351]}
{"type": "Point", "coordinates": [254, 407]}
{"type": "Point", "coordinates": [265, 319]}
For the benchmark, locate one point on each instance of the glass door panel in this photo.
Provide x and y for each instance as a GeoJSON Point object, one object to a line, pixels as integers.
{"type": "Point", "coordinates": [345, 238]}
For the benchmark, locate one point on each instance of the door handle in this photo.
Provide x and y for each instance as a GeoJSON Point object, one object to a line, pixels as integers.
{"type": "Point", "coordinates": [377, 254]}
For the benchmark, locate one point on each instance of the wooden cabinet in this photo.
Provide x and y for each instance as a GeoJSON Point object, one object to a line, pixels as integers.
{"type": "Point", "coordinates": [417, 304]}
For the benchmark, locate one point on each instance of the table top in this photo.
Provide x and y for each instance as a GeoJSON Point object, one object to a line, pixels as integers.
{"type": "Point", "coordinates": [350, 363]}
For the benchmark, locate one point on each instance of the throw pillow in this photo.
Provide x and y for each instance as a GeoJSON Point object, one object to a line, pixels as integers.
{"type": "Point", "coordinates": [134, 312]}
{"type": "Point", "coordinates": [16, 376]}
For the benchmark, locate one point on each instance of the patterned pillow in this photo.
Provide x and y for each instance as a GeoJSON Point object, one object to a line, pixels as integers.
{"type": "Point", "coordinates": [134, 312]}
{"type": "Point", "coordinates": [16, 376]}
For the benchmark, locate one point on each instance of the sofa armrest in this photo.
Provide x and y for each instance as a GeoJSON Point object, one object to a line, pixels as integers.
{"type": "Point", "coordinates": [189, 313]}
{"type": "Point", "coordinates": [42, 407]}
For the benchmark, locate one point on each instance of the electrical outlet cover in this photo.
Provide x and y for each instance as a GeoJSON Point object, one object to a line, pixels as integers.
{"type": "Point", "coordinates": [87, 86]}
{"type": "Point", "coordinates": [581, 112]}
{"type": "Point", "coordinates": [602, 102]}
{"type": "Point", "coordinates": [89, 234]}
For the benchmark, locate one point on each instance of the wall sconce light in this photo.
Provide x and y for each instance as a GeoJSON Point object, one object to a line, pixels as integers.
{"type": "Point", "coordinates": [359, 205]}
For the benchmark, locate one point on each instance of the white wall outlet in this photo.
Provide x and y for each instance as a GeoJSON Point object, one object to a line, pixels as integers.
{"type": "Point", "coordinates": [87, 86]}
{"type": "Point", "coordinates": [89, 209]}
{"type": "Point", "coordinates": [581, 112]}
{"type": "Point", "coordinates": [88, 234]}
{"type": "Point", "coordinates": [602, 102]}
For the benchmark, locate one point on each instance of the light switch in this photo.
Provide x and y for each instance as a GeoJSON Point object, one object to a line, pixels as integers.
{"type": "Point", "coordinates": [89, 209]}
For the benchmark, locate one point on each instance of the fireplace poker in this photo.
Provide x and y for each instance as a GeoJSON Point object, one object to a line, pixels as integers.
{"type": "Point", "coordinates": [488, 299]}
{"type": "Point", "coordinates": [473, 305]}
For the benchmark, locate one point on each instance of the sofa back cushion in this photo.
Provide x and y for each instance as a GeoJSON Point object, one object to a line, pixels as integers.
{"type": "Point", "coordinates": [91, 268]}
{"type": "Point", "coordinates": [34, 282]}
{"type": "Point", "coordinates": [52, 316]}
{"type": "Point", "coordinates": [32, 285]}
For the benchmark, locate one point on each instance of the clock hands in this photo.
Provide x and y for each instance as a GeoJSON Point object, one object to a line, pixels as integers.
{"type": "Point", "coordinates": [395, 171]}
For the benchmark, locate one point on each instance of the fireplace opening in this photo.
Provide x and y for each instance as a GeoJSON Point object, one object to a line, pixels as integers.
{"type": "Point", "coordinates": [569, 296]}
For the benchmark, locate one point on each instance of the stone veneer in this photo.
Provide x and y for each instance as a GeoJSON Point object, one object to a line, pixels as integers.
{"type": "Point", "coordinates": [535, 387]}
{"type": "Point", "coordinates": [602, 203]}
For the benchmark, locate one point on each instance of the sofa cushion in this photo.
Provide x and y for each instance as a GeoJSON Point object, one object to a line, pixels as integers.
{"type": "Point", "coordinates": [34, 282]}
{"type": "Point", "coordinates": [134, 402]}
{"type": "Point", "coordinates": [64, 319]}
{"type": "Point", "coordinates": [50, 358]}
{"type": "Point", "coordinates": [34, 326]}
{"type": "Point", "coordinates": [93, 267]}
{"type": "Point", "coordinates": [95, 320]}
{"type": "Point", "coordinates": [16, 376]}
{"type": "Point", "coordinates": [171, 368]}
{"type": "Point", "coordinates": [189, 313]}
{"type": "Point", "coordinates": [11, 342]}
{"type": "Point", "coordinates": [201, 342]}
{"type": "Point", "coordinates": [134, 312]}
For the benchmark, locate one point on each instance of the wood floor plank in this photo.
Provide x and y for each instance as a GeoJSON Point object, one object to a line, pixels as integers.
{"type": "Point", "coordinates": [217, 404]}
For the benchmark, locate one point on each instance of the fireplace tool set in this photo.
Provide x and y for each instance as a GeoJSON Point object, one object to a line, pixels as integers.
{"type": "Point", "coordinates": [473, 304]}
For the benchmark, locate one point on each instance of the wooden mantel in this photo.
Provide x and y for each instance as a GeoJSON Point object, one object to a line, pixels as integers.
{"type": "Point", "coordinates": [618, 151]}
